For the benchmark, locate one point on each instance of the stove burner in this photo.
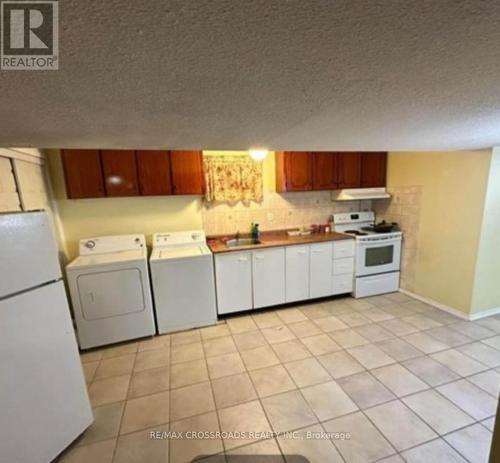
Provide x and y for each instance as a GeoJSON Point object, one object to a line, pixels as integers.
{"type": "Point", "coordinates": [355, 232]}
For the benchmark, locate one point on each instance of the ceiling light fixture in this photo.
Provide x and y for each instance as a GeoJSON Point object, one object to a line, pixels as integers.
{"type": "Point", "coordinates": [258, 154]}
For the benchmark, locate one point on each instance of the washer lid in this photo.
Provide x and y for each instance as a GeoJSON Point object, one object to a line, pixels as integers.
{"type": "Point", "coordinates": [180, 252]}
{"type": "Point", "coordinates": [109, 258]}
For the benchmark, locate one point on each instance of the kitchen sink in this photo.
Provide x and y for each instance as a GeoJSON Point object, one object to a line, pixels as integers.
{"type": "Point", "coordinates": [237, 242]}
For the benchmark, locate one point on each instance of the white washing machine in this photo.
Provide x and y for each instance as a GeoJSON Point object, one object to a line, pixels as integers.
{"type": "Point", "coordinates": [110, 290]}
{"type": "Point", "coordinates": [182, 273]}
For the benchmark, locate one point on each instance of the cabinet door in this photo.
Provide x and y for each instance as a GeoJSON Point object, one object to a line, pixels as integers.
{"type": "Point", "coordinates": [120, 172]}
{"type": "Point", "coordinates": [321, 270]}
{"type": "Point", "coordinates": [233, 276]}
{"type": "Point", "coordinates": [298, 171]}
{"type": "Point", "coordinates": [349, 167]}
{"type": "Point", "coordinates": [373, 170]}
{"type": "Point", "coordinates": [153, 168]}
{"type": "Point", "coordinates": [187, 172]}
{"type": "Point", "coordinates": [297, 273]}
{"type": "Point", "coordinates": [268, 268]}
{"type": "Point", "coordinates": [325, 171]}
{"type": "Point", "coordinates": [82, 173]}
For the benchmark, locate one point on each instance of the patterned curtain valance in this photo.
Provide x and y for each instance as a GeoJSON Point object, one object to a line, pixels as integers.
{"type": "Point", "coordinates": [232, 178]}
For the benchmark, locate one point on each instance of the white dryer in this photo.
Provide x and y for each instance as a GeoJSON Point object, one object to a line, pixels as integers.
{"type": "Point", "coordinates": [182, 273]}
{"type": "Point", "coordinates": [110, 290]}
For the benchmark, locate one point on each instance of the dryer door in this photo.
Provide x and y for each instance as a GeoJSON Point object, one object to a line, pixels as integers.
{"type": "Point", "coordinates": [111, 293]}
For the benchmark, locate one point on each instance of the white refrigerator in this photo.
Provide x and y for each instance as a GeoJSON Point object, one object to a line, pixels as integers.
{"type": "Point", "coordinates": [44, 404]}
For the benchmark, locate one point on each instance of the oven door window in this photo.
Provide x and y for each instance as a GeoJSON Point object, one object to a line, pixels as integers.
{"type": "Point", "coordinates": [382, 255]}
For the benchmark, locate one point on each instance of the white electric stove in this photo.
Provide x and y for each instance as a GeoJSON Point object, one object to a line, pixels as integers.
{"type": "Point", "coordinates": [378, 253]}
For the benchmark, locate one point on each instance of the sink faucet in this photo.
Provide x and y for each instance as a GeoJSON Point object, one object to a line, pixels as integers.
{"type": "Point", "coordinates": [237, 235]}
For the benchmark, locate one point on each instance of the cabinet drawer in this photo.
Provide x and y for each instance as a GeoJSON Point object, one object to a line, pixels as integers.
{"type": "Point", "coordinates": [343, 284]}
{"type": "Point", "coordinates": [343, 266]}
{"type": "Point", "coordinates": [343, 248]}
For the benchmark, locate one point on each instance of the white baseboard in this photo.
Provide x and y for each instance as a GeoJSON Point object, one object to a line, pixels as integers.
{"type": "Point", "coordinates": [484, 313]}
{"type": "Point", "coordinates": [438, 305]}
{"type": "Point", "coordinates": [452, 310]}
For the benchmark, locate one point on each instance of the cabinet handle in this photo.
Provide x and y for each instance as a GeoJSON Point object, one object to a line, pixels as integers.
{"type": "Point", "coordinates": [259, 257]}
{"type": "Point", "coordinates": [302, 253]}
{"type": "Point", "coordinates": [242, 259]}
{"type": "Point", "coordinates": [317, 251]}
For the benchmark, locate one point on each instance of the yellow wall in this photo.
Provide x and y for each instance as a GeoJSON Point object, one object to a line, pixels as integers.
{"type": "Point", "coordinates": [454, 186]}
{"type": "Point", "coordinates": [457, 262]}
{"type": "Point", "coordinates": [486, 294]}
{"type": "Point", "coordinates": [83, 218]}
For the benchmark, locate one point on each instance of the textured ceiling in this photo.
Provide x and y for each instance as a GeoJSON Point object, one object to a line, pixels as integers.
{"type": "Point", "coordinates": [284, 74]}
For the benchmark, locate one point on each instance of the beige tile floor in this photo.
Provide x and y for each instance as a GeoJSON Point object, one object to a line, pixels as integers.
{"type": "Point", "coordinates": [407, 381]}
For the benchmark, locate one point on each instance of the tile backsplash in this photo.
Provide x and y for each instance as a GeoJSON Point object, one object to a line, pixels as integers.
{"type": "Point", "coordinates": [404, 208]}
{"type": "Point", "coordinates": [279, 211]}
{"type": "Point", "coordinates": [276, 211]}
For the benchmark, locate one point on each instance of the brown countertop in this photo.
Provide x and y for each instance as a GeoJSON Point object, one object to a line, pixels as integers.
{"type": "Point", "coordinates": [273, 239]}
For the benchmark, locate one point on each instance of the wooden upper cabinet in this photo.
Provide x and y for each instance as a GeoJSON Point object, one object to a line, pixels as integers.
{"type": "Point", "coordinates": [153, 168]}
{"type": "Point", "coordinates": [325, 170]}
{"type": "Point", "coordinates": [187, 172]}
{"type": "Point", "coordinates": [373, 169]}
{"type": "Point", "coordinates": [349, 169]}
{"type": "Point", "coordinates": [304, 170]}
{"type": "Point", "coordinates": [120, 172]}
{"type": "Point", "coordinates": [98, 173]}
{"type": "Point", "coordinates": [294, 171]}
{"type": "Point", "coordinates": [83, 173]}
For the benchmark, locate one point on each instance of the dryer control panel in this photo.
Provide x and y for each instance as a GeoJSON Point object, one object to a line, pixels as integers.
{"type": "Point", "coordinates": [107, 244]}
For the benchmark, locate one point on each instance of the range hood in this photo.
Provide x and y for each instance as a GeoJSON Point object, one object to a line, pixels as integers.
{"type": "Point", "coordinates": [356, 194]}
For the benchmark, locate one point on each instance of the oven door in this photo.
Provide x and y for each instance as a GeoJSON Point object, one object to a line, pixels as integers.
{"type": "Point", "coordinates": [378, 254]}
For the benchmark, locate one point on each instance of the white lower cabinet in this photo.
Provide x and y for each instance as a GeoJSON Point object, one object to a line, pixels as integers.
{"type": "Point", "coordinates": [268, 273]}
{"type": "Point", "coordinates": [233, 276]}
{"type": "Point", "coordinates": [343, 266]}
{"type": "Point", "coordinates": [320, 281]}
{"type": "Point", "coordinates": [297, 273]}
{"type": "Point", "coordinates": [343, 284]}
{"type": "Point", "coordinates": [261, 278]}
{"type": "Point", "coordinates": [343, 248]}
